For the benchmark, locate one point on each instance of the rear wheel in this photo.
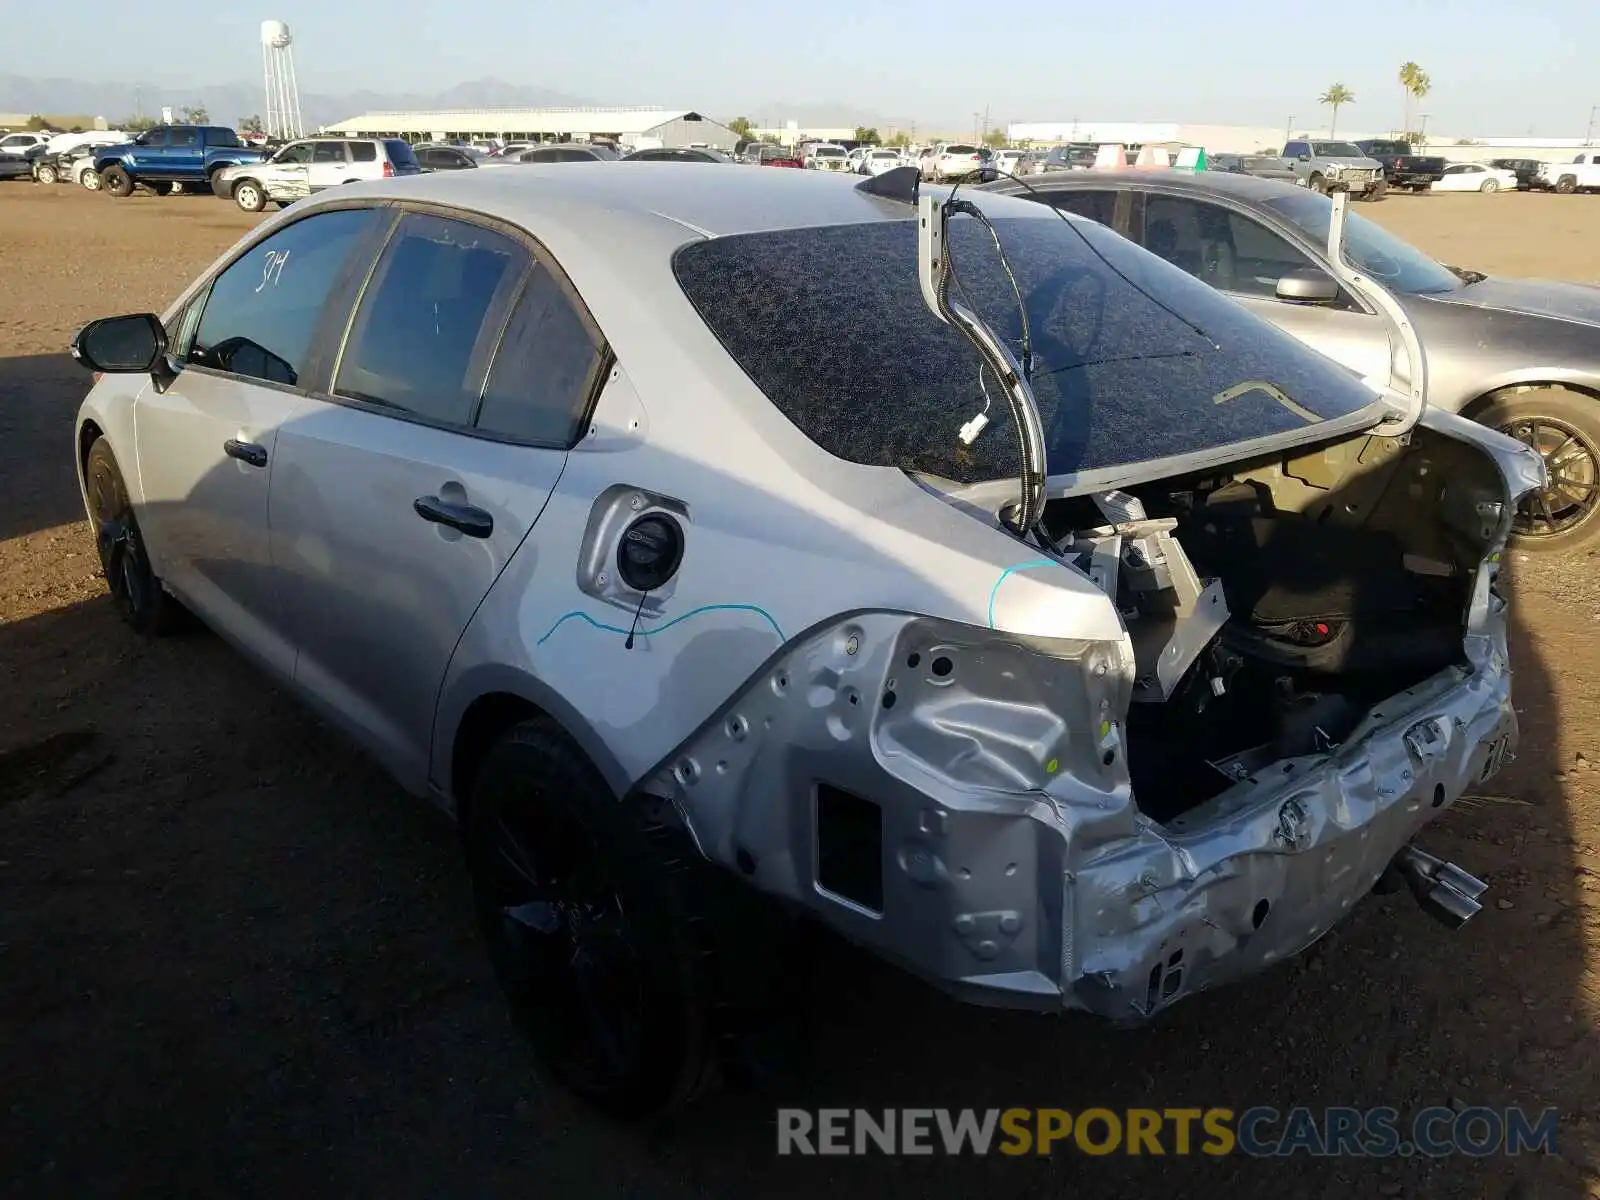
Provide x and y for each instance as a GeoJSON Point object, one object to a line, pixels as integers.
{"type": "Point", "coordinates": [1567, 184]}
{"type": "Point", "coordinates": [588, 907]}
{"type": "Point", "coordinates": [249, 195]}
{"type": "Point", "coordinates": [1489, 186]}
{"type": "Point", "coordinates": [1564, 427]}
{"type": "Point", "coordinates": [140, 599]}
{"type": "Point", "coordinates": [114, 181]}
{"type": "Point", "coordinates": [47, 173]}
{"type": "Point", "coordinates": [90, 178]}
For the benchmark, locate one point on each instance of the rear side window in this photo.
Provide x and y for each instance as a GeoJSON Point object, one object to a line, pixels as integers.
{"type": "Point", "coordinates": [430, 318]}
{"type": "Point", "coordinates": [546, 367]}
{"type": "Point", "coordinates": [328, 152]}
{"type": "Point", "coordinates": [400, 153]}
{"type": "Point", "coordinates": [1097, 206]}
{"type": "Point", "coordinates": [184, 137]}
{"type": "Point", "coordinates": [263, 311]}
{"type": "Point", "coordinates": [364, 151]}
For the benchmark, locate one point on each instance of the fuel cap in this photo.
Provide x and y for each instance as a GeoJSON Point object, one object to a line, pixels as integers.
{"type": "Point", "coordinates": [650, 552]}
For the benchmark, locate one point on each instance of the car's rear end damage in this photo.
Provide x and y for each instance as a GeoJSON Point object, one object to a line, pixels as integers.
{"type": "Point", "coordinates": [1112, 825]}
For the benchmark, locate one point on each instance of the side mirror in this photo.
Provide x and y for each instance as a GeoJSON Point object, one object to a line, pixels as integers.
{"type": "Point", "coordinates": [131, 345]}
{"type": "Point", "coordinates": [1308, 286]}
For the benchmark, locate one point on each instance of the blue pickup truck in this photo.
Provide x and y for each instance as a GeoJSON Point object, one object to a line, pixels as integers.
{"type": "Point", "coordinates": [171, 158]}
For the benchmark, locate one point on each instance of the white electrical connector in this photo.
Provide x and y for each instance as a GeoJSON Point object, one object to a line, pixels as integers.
{"type": "Point", "coordinates": [971, 430]}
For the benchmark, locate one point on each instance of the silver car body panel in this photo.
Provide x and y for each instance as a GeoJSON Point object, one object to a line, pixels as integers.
{"type": "Point", "coordinates": [830, 621]}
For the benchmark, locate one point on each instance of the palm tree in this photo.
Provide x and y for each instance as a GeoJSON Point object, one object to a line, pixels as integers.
{"type": "Point", "coordinates": [1416, 83]}
{"type": "Point", "coordinates": [1335, 96]}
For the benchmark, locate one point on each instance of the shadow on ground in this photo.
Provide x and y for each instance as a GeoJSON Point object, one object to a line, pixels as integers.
{"type": "Point", "coordinates": [39, 396]}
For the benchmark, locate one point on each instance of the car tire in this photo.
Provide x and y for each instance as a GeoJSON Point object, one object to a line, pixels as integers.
{"type": "Point", "coordinates": [596, 936]}
{"type": "Point", "coordinates": [1567, 184]}
{"type": "Point", "coordinates": [1318, 184]}
{"type": "Point", "coordinates": [90, 179]}
{"type": "Point", "coordinates": [114, 181]}
{"type": "Point", "coordinates": [1489, 187]}
{"type": "Point", "coordinates": [140, 598]}
{"type": "Point", "coordinates": [249, 195]}
{"type": "Point", "coordinates": [1376, 192]}
{"type": "Point", "coordinates": [1564, 426]}
{"type": "Point", "coordinates": [46, 174]}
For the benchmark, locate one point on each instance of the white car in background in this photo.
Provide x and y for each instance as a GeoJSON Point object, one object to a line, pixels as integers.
{"type": "Point", "coordinates": [957, 160]}
{"type": "Point", "coordinates": [62, 142]}
{"type": "Point", "coordinates": [310, 165]}
{"type": "Point", "coordinates": [20, 143]}
{"type": "Point", "coordinates": [1475, 177]}
{"type": "Point", "coordinates": [826, 156]}
{"type": "Point", "coordinates": [878, 159]}
{"type": "Point", "coordinates": [1013, 162]}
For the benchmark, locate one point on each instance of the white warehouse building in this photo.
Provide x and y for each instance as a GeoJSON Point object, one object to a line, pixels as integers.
{"type": "Point", "coordinates": [625, 126]}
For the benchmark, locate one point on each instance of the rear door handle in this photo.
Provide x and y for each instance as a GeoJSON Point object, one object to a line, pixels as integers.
{"type": "Point", "coordinates": [473, 522]}
{"type": "Point", "coordinates": [245, 452]}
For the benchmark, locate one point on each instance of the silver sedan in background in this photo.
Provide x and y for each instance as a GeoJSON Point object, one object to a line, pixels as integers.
{"type": "Point", "coordinates": [1519, 355]}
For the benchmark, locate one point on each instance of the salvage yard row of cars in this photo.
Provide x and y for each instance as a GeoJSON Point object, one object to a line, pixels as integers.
{"type": "Point", "coordinates": [1098, 621]}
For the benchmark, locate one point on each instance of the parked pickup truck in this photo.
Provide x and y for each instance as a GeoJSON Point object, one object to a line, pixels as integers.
{"type": "Point", "coordinates": [174, 155]}
{"type": "Point", "coordinates": [1582, 174]}
{"type": "Point", "coordinates": [1402, 166]}
{"type": "Point", "coordinates": [1323, 166]}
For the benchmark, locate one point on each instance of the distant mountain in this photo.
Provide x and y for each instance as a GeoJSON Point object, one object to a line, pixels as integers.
{"type": "Point", "coordinates": [226, 103]}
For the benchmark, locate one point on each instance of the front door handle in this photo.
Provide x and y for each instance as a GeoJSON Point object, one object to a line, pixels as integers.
{"type": "Point", "coordinates": [473, 522]}
{"type": "Point", "coordinates": [245, 452]}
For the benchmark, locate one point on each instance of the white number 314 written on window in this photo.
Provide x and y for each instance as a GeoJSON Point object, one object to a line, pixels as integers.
{"type": "Point", "coordinates": [272, 269]}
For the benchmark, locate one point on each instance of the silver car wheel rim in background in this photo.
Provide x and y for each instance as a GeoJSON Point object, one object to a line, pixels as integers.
{"type": "Point", "coordinates": [1574, 466]}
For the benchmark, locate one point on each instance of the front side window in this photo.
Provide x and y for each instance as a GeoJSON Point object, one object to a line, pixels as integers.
{"type": "Point", "coordinates": [1296, 149]}
{"type": "Point", "coordinates": [1372, 248]}
{"type": "Point", "coordinates": [152, 138]}
{"type": "Point", "coordinates": [545, 370]}
{"type": "Point", "coordinates": [297, 154]}
{"type": "Point", "coordinates": [184, 138]}
{"type": "Point", "coordinates": [261, 317]}
{"type": "Point", "coordinates": [1219, 246]}
{"type": "Point", "coordinates": [430, 318]}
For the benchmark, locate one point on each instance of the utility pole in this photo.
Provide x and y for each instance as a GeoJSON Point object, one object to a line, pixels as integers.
{"type": "Point", "coordinates": [985, 124]}
{"type": "Point", "coordinates": [1588, 134]}
{"type": "Point", "coordinates": [1288, 129]}
{"type": "Point", "coordinates": [975, 117]}
{"type": "Point", "coordinates": [1422, 131]}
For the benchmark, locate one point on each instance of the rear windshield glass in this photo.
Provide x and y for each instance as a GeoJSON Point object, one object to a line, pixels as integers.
{"type": "Point", "coordinates": [400, 153]}
{"type": "Point", "coordinates": [829, 322]}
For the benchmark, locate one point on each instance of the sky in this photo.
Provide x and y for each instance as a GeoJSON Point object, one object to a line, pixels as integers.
{"type": "Point", "coordinates": [1497, 68]}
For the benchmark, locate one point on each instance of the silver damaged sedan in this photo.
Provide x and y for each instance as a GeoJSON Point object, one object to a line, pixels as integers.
{"type": "Point", "coordinates": [1078, 645]}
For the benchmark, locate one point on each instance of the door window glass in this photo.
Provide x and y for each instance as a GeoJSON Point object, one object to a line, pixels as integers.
{"type": "Point", "coordinates": [1217, 246]}
{"type": "Point", "coordinates": [262, 315]}
{"type": "Point", "coordinates": [364, 151]}
{"type": "Point", "coordinates": [299, 153]}
{"type": "Point", "coordinates": [430, 318]}
{"type": "Point", "coordinates": [184, 138]}
{"type": "Point", "coordinates": [328, 152]}
{"type": "Point", "coordinates": [544, 371]}
{"type": "Point", "coordinates": [1097, 206]}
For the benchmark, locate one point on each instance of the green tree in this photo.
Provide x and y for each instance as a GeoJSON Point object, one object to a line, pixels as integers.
{"type": "Point", "coordinates": [194, 114]}
{"type": "Point", "coordinates": [1336, 96]}
{"type": "Point", "coordinates": [1414, 80]}
{"type": "Point", "coordinates": [865, 133]}
{"type": "Point", "coordinates": [37, 123]}
{"type": "Point", "coordinates": [138, 124]}
{"type": "Point", "coordinates": [995, 139]}
{"type": "Point", "coordinates": [250, 125]}
{"type": "Point", "coordinates": [899, 139]}
{"type": "Point", "coordinates": [742, 126]}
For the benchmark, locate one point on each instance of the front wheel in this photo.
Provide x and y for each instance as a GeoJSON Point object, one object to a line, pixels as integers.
{"type": "Point", "coordinates": [1318, 184]}
{"type": "Point", "coordinates": [47, 173]}
{"type": "Point", "coordinates": [1376, 192]}
{"type": "Point", "coordinates": [250, 196]}
{"type": "Point", "coordinates": [586, 903]}
{"type": "Point", "coordinates": [1564, 428]}
{"type": "Point", "coordinates": [1490, 186]}
{"type": "Point", "coordinates": [1566, 185]}
{"type": "Point", "coordinates": [140, 599]}
{"type": "Point", "coordinates": [114, 181]}
{"type": "Point", "coordinates": [90, 179]}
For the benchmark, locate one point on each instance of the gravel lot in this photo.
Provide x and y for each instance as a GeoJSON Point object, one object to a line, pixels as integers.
{"type": "Point", "coordinates": [235, 959]}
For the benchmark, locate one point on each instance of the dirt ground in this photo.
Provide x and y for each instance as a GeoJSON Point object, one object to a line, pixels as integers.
{"type": "Point", "coordinates": [235, 959]}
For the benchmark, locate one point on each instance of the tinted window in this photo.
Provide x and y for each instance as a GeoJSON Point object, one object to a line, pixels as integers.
{"type": "Point", "coordinates": [1295, 149]}
{"type": "Point", "coordinates": [364, 151]}
{"type": "Point", "coordinates": [184, 137]}
{"type": "Point", "coordinates": [430, 318]}
{"type": "Point", "coordinates": [328, 152]}
{"type": "Point", "coordinates": [1218, 246]}
{"type": "Point", "coordinates": [1385, 147]}
{"type": "Point", "coordinates": [830, 324]}
{"type": "Point", "coordinates": [1337, 150]}
{"type": "Point", "coordinates": [544, 371]}
{"type": "Point", "coordinates": [223, 137]}
{"type": "Point", "coordinates": [1097, 206]}
{"type": "Point", "coordinates": [262, 314]}
{"type": "Point", "coordinates": [400, 152]}
{"type": "Point", "coordinates": [1376, 251]}
{"type": "Point", "coordinates": [300, 152]}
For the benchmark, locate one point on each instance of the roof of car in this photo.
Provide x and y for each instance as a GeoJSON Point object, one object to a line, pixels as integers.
{"type": "Point", "coordinates": [1245, 187]}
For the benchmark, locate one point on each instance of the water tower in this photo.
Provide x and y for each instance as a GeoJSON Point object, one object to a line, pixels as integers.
{"type": "Point", "coordinates": [283, 93]}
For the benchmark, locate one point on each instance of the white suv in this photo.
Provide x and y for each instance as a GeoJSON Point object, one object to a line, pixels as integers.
{"type": "Point", "coordinates": [310, 165]}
